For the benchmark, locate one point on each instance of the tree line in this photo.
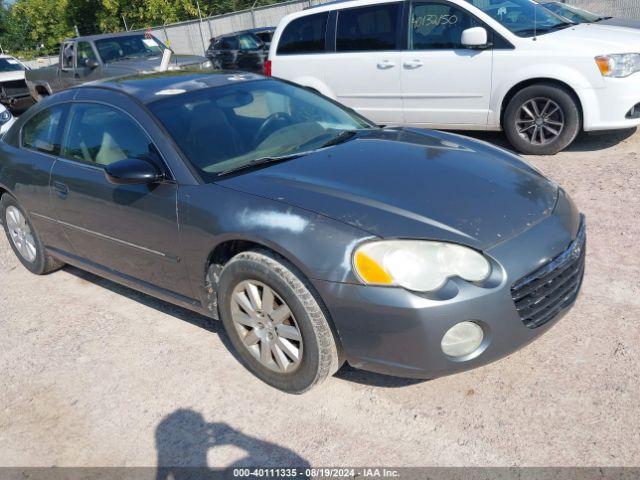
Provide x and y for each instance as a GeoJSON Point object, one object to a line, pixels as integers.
{"type": "Point", "coordinates": [36, 27]}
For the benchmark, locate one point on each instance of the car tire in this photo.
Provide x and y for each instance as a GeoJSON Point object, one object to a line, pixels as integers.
{"type": "Point", "coordinates": [24, 239]}
{"type": "Point", "coordinates": [542, 119]}
{"type": "Point", "coordinates": [317, 347]}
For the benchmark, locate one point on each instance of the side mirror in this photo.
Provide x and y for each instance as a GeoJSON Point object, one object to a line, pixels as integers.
{"type": "Point", "coordinates": [476, 37]}
{"type": "Point", "coordinates": [92, 64]}
{"type": "Point", "coordinates": [132, 171]}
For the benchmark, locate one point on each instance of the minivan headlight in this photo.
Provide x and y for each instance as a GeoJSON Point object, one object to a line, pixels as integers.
{"type": "Point", "coordinates": [619, 65]}
{"type": "Point", "coordinates": [421, 266]}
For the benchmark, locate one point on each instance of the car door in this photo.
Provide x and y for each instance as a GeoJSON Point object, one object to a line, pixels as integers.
{"type": "Point", "coordinates": [364, 72]}
{"type": "Point", "coordinates": [129, 229]}
{"type": "Point", "coordinates": [443, 83]}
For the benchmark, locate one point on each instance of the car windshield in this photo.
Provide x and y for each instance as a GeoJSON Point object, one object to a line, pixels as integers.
{"type": "Point", "coordinates": [226, 128]}
{"type": "Point", "coordinates": [575, 14]}
{"type": "Point", "coordinates": [248, 41]}
{"type": "Point", "coordinates": [524, 18]}
{"type": "Point", "coordinates": [10, 65]}
{"type": "Point", "coordinates": [127, 47]}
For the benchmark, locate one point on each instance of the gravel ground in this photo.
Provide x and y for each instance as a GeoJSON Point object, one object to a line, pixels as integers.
{"type": "Point", "coordinates": [94, 374]}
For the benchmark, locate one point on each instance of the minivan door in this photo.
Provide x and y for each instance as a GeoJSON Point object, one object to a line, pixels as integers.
{"type": "Point", "coordinates": [364, 71]}
{"type": "Point", "coordinates": [444, 84]}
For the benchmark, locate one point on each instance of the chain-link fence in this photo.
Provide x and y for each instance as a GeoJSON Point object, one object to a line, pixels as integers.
{"type": "Point", "coordinates": [193, 36]}
{"type": "Point", "coordinates": [613, 8]}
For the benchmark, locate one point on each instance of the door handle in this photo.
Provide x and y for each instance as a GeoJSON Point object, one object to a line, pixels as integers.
{"type": "Point", "coordinates": [386, 64]}
{"type": "Point", "coordinates": [61, 189]}
{"type": "Point", "coordinates": [412, 64]}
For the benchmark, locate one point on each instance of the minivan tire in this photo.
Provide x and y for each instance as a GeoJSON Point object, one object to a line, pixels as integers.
{"type": "Point", "coordinates": [43, 263]}
{"type": "Point", "coordinates": [539, 94]}
{"type": "Point", "coordinates": [318, 346]}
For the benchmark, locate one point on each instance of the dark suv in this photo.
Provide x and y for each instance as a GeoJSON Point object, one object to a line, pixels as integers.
{"type": "Point", "coordinates": [237, 51]}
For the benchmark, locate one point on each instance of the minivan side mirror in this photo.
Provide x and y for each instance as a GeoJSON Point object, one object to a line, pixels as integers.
{"type": "Point", "coordinates": [476, 37]}
{"type": "Point", "coordinates": [132, 171]}
{"type": "Point", "coordinates": [92, 64]}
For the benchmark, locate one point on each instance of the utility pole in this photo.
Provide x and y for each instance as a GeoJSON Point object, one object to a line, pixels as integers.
{"type": "Point", "coordinates": [204, 48]}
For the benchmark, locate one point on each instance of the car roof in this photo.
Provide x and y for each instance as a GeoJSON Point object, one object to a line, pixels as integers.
{"type": "Point", "coordinates": [102, 36]}
{"type": "Point", "coordinates": [150, 87]}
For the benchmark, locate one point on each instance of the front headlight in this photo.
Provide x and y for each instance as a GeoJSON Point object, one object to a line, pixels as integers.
{"type": "Point", "coordinates": [5, 116]}
{"type": "Point", "coordinates": [421, 266]}
{"type": "Point", "coordinates": [619, 65]}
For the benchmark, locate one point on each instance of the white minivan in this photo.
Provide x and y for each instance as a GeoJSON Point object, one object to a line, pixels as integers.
{"type": "Point", "coordinates": [507, 65]}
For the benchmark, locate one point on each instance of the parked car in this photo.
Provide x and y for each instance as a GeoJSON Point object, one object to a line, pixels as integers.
{"type": "Point", "coordinates": [314, 235]}
{"type": "Point", "coordinates": [465, 65]}
{"type": "Point", "coordinates": [579, 15]}
{"type": "Point", "coordinates": [6, 119]}
{"type": "Point", "coordinates": [90, 58]}
{"type": "Point", "coordinates": [13, 88]}
{"type": "Point", "coordinates": [265, 34]}
{"type": "Point", "coordinates": [237, 51]}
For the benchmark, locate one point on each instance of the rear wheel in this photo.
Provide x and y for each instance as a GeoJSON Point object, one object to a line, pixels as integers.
{"type": "Point", "coordinates": [276, 325]}
{"type": "Point", "coordinates": [542, 119]}
{"type": "Point", "coordinates": [24, 239]}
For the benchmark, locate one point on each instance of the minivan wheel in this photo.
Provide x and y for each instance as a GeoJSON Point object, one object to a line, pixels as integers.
{"type": "Point", "coordinates": [276, 325]}
{"type": "Point", "coordinates": [24, 239]}
{"type": "Point", "coordinates": [542, 120]}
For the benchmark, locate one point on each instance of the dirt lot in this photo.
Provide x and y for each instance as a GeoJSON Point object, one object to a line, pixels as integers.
{"type": "Point", "coordinates": [95, 374]}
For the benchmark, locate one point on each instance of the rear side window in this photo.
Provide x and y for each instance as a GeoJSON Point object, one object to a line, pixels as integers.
{"type": "Point", "coordinates": [102, 135]}
{"type": "Point", "coordinates": [304, 35]}
{"type": "Point", "coordinates": [368, 28]}
{"type": "Point", "coordinates": [42, 131]}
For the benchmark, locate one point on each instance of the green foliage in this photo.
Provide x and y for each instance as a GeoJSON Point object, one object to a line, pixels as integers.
{"type": "Point", "coordinates": [40, 25]}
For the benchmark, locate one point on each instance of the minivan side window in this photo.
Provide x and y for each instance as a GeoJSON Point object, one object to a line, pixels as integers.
{"type": "Point", "coordinates": [103, 135]}
{"type": "Point", "coordinates": [438, 26]}
{"type": "Point", "coordinates": [369, 28]}
{"type": "Point", "coordinates": [42, 131]}
{"type": "Point", "coordinates": [304, 35]}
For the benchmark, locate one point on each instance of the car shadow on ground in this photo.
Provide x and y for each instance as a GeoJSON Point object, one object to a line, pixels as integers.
{"type": "Point", "coordinates": [184, 439]}
{"type": "Point", "coordinates": [345, 373]}
{"type": "Point", "coordinates": [586, 142]}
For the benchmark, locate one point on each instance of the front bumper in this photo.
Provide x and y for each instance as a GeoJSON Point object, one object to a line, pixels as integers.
{"type": "Point", "coordinates": [396, 332]}
{"type": "Point", "coordinates": [607, 108]}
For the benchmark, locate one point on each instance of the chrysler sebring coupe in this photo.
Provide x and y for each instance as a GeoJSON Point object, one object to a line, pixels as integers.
{"type": "Point", "coordinates": [315, 236]}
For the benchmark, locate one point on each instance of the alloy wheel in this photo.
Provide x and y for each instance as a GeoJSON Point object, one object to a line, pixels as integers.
{"type": "Point", "coordinates": [20, 234]}
{"type": "Point", "coordinates": [540, 121]}
{"type": "Point", "coordinates": [266, 326]}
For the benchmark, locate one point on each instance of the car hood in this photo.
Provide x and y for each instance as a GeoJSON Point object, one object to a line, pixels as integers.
{"type": "Point", "coordinates": [620, 22]}
{"type": "Point", "coordinates": [152, 63]}
{"type": "Point", "coordinates": [11, 76]}
{"type": "Point", "coordinates": [411, 183]}
{"type": "Point", "coordinates": [594, 38]}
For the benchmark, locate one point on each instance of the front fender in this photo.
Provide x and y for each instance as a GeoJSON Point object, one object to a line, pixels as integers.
{"type": "Point", "coordinates": [210, 215]}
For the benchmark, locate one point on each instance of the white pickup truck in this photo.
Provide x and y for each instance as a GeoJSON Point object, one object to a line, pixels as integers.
{"type": "Point", "coordinates": [13, 88]}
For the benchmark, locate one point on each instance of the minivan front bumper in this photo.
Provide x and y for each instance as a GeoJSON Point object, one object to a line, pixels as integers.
{"type": "Point", "coordinates": [397, 332]}
{"type": "Point", "coordinates": [608, 108]}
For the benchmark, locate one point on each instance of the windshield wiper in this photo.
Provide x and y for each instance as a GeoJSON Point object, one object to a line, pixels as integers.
{"type": "Point", "coordinates": [340, 138]}
{"type": "Point", "coordinates": [261, 161]}
{"type": "Point", "coordinates": [601, 19]}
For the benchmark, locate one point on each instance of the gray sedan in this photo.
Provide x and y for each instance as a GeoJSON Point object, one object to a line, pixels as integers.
{"type": "Point", "coordinates": [316, 237]}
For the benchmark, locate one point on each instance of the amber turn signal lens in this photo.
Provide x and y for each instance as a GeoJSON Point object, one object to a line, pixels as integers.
{"type": "Point", "coordinates": [370, 271]}
{"type": "Point", "coordinates": [604, 65]}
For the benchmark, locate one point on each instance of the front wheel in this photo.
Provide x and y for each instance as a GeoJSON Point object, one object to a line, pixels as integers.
{"type": "Point", "coordinates": [24, 239]}
{"type": "Point", "coordinates": [275, 323]}
{"type": "Point", "coordinates": [542, 120]}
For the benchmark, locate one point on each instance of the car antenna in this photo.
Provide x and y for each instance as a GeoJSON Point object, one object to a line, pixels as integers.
{"type": "Point", "coordinates": [535, 22]}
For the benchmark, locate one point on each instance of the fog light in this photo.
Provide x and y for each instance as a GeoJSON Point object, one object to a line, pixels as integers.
{"type": "Point", "coordinates": [462, 339]}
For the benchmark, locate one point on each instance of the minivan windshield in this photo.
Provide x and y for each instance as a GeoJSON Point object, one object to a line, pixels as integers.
{"type": "Point", "coordinates": [524, 18]}
{"type": "Point", "coordinates": [129, 47]}
{"type": "Point", "coordinates": [223, 129]}
{"type": "Point", "coordinates": [572, 13]}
